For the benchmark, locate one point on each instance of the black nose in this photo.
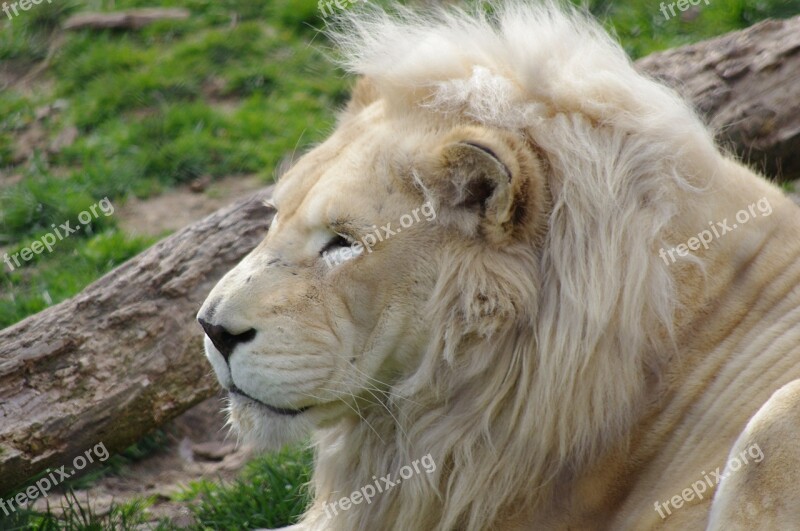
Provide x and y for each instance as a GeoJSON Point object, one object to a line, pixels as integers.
{"type": "Point", "coordinates": [224, 340]}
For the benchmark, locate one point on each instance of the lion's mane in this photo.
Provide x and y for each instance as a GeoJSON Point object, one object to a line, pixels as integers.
{"type": "Point", "coordinates": [538, 357]}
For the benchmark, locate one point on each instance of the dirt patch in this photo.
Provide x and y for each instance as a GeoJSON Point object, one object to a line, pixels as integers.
{"type": "Point", "coordinates": [200, 448]}
{"type": "Point", "coordinates": [180, 207]}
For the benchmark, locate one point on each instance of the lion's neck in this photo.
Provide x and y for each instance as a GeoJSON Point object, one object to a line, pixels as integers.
{"type": "Point", "coordinates": [738, 339]}
{"type": "Point", "coordinates": [739, 325]}
{"type": "Point", "coordinates": [739, 332]}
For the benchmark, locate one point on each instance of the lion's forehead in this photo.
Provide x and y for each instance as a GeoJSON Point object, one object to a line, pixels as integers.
{"type": "Point", "coordinates": [357, 178]}
{"type": "Point", "coordinates": [355, 143]}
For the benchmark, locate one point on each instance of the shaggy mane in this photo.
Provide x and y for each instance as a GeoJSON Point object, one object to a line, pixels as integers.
{"type": "Point", "coordinates": [539, 357]}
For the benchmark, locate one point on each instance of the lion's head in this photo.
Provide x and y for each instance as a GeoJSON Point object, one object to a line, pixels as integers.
{"type": "Point", "coordinates": [467, 267]}
{"type": "Point", "coordinates": [333, 308]}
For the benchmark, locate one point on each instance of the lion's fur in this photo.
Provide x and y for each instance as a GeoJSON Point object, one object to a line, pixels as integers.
{"type": "Point", "coordinates": [545, 353]}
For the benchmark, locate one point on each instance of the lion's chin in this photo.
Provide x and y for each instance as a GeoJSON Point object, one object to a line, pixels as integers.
{"type": "Point", "coordinates": [263, 429]}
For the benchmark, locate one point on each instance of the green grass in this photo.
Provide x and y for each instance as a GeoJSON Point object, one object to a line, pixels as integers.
{"type": "Point", "coordinates": [642, 28]}
{"type": "Point", "coordinates": [154, 109]}
{"type": "Point", "coordinates": [270, 492]}
{"type": "Point", "coordinates": [76, 514]}
{"type": "Point", "coordinates": [231, 90]}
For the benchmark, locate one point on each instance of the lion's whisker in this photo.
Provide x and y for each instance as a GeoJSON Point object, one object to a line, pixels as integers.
{"type": "Point", "coordinates": [355, 409]}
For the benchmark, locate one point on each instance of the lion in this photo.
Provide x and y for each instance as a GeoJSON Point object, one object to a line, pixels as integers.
{"type": "Point", "coordinates": [515, 290]}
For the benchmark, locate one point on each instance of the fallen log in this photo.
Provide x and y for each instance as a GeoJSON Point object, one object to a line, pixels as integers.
{"type": "Point", "coordinates": [747, 86]}
{"type": "Point", "coordinates": [125, 355]}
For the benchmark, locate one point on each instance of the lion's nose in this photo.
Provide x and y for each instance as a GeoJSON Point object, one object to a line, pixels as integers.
{"type": "Point", "coordinates": [223, 339]}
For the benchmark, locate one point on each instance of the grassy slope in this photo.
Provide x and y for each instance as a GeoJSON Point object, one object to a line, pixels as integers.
{"type": "Point", "coordinates": [231, 90]}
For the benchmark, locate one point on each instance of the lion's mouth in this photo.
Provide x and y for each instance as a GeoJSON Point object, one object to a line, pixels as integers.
{"type": "Point", "coordinates": [279, 410]}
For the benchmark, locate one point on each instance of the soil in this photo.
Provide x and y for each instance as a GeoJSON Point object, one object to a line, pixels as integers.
{"type": "Point", "coordinates": [181, 206]}
{"type": "Point", "coordinates": [200, 447]}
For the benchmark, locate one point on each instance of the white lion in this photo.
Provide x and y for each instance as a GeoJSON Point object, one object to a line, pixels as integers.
{"type": "Point", "coordinates": [543, 284]}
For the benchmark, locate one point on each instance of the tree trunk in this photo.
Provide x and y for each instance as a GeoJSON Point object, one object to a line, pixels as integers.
{"type": "Point", "coordinates": [747, 86]}
{"type": "Point", "coordinates": [125, 355]}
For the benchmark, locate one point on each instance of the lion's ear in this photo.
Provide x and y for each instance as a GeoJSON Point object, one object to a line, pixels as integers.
{"type": "Point", "coordinates": [476, 176]}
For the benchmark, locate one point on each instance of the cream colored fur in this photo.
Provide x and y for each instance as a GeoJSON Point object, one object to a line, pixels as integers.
{"type": "Point", "coordinates": [530, 338]}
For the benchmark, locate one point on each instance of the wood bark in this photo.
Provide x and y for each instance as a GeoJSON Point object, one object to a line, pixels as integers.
{"type": "Point", "coordinates": [747, 86]}
{"type": "Point", "coordinates": [125, 355]}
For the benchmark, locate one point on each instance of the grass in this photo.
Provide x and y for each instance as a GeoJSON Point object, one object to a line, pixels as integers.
{"type": "Point", "coordinates": [231, 90]}
{"type": "Point", "coordinates": [77, 515]}
{"type": "Point", "coordinates": [642, 28]}
{"type": "Point", "coordinates": [153, 110]}
{"type": "Point", "coordinates": [269, 493]}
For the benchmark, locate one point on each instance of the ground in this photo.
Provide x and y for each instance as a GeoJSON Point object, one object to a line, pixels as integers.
{"type": "Point", "coordinates": [198, 448]}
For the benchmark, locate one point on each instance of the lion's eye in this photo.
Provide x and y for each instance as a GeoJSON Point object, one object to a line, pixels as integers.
{"type": "Point", "coordinates": [337, 242]}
